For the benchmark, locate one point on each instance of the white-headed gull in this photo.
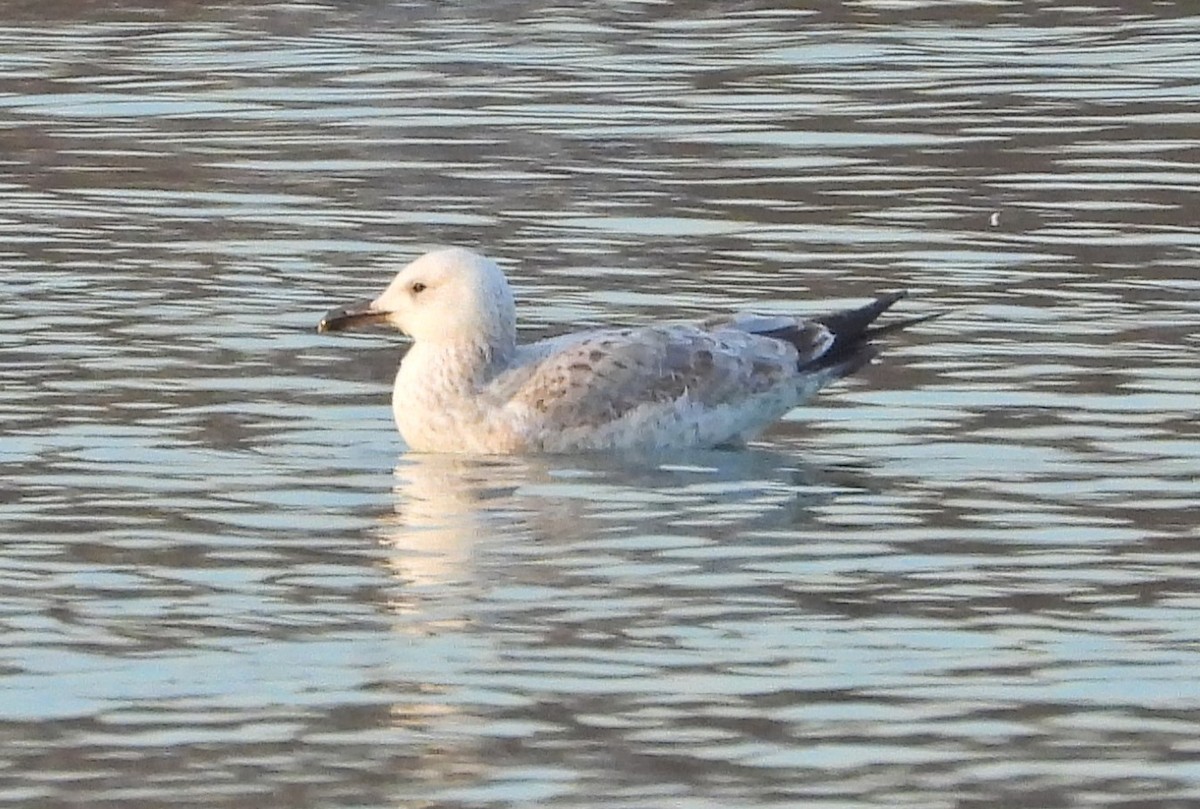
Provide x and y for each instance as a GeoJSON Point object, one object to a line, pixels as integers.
{"type": "Point", "coordinates": [467, 386]}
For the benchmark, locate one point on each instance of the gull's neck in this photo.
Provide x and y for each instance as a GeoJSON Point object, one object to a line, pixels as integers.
{"type": "Point", "coordinates": [460, 366]}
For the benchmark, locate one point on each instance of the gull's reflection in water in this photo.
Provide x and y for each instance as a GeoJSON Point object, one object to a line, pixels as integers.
{"type": "Point", "coordinates": [461, 523]}
{"type": "Point", "coordinates": [538, 595]}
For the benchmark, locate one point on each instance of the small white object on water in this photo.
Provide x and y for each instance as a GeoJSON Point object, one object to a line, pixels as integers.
{"type": "Point", "coordinates": [466, 386]}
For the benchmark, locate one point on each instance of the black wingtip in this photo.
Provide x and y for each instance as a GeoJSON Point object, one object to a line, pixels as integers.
{"type": "Point", "coordinates": [850, 325]}
{"type": "Point", "coordinates": [853, 332]}
{"type": "Point", "coordinates": [888, 328]}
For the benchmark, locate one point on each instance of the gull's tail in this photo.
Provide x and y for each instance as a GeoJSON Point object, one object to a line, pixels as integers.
{"type": "Point", "coordinates": [842, 342]}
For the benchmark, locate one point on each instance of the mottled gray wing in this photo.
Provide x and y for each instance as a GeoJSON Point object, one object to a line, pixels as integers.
{"type": "Point", "coordinates": [812, 339]}
{"type": "Point", "coordinates": [608, 374]}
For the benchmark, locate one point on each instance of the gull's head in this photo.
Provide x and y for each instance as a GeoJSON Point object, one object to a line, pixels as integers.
{"type": "Point", "coordinates": [448, 295]}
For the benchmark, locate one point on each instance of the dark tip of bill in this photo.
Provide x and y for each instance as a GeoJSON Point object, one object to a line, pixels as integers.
{"type": "Point", "coordinates": [345, 317]}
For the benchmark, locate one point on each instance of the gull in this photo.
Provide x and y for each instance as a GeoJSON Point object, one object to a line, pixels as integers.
{"type": "Point", "coordinates": [466, 386]}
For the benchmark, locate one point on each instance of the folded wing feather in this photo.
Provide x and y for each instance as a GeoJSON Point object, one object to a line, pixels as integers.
{"type": "Point", "coordinates": [609, 374]}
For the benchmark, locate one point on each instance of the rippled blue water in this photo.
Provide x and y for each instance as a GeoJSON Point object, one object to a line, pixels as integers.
{"type": "Point", "coordinates": [965, 578]}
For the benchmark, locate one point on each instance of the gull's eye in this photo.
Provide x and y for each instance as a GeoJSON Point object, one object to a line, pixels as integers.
{"type": "Point", "coordinates": [417, 287]}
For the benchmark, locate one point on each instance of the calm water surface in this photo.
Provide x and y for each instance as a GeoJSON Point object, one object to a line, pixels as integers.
{"type": "Point", "coordinates": [969, 577]}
